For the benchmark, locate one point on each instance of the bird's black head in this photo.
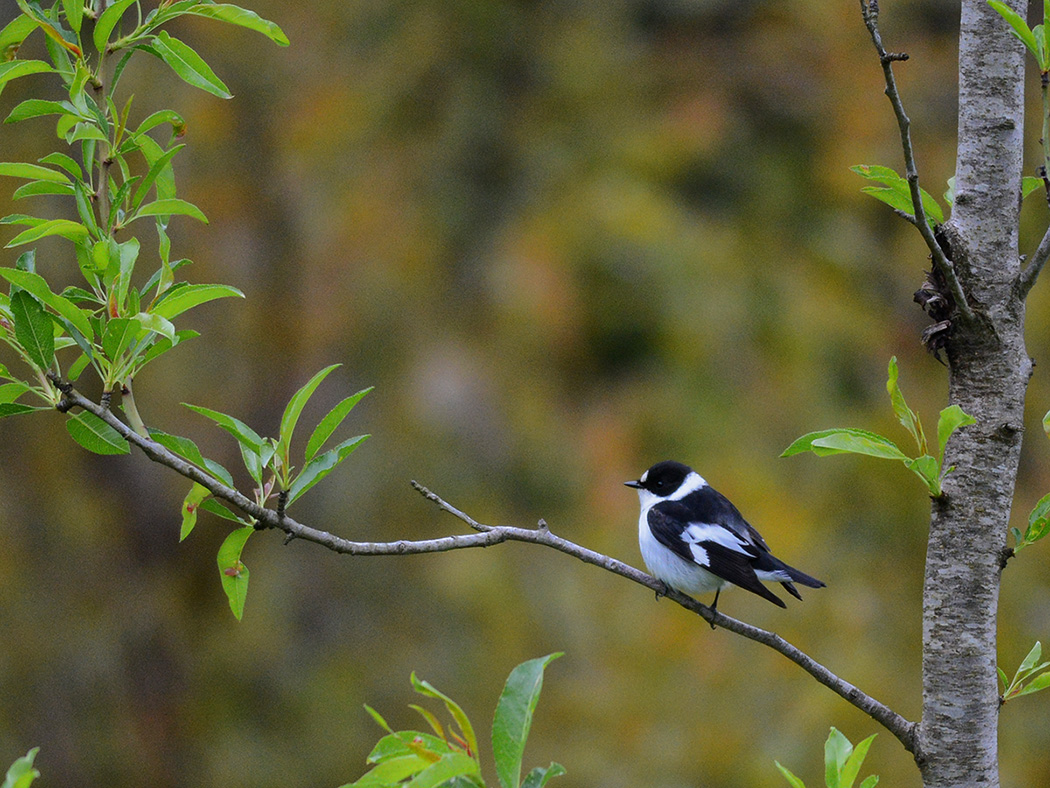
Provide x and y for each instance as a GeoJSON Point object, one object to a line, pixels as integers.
{"type": "Point", "coordinates": [663, 478]}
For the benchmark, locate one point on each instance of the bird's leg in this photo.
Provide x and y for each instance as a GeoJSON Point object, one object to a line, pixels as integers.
{"type": "Point", "coordinates": [662, 591]}
{"type": "Point", "coordinates": [714, 606]}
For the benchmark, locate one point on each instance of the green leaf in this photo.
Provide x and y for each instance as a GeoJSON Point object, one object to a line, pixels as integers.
{"type": "Point", "coordinates": [233, 573]}
{"type": "Point", "coordinates": [427, 689]}
{"type": "Point", "coordinates": [322, 465]}
{"type": "Point", "coordinates": [1030, 660]}
{"type": "Point", "coordinates": [36, 188]}
{"type": "Point", "coordinates": [836, 750]}
{"type": "Point", "coordinates": [74, 13]}
{"type": "Point", "coordinates": [187, 449]}
{"type": "Point", "coordinates": [851, 768]}
{"type": "Point", "coordinates": [21, 68]}
{"type": "Point", "coordinates": [905, 415]}
{"type": "Point", "coordinates": [1039, 683]}
{"type": "Point", "coordinates": [510, 728]}
{"type": "Point", "coordinates": [539, 776]}
{"type": "Point", "coordinates": [13, 34]}
{"type": "Point", "coordinates": [243, 17]}
{"type": "Point", "coordinates": [156, 324]}
{"type": "Point", "coordinates": [178, 300]}
{"type": "Point", "coordinates": [331, 422]}
{"type": "Point", "coordinates": [172, 206]}
{"type": "Point", "coordinates": [33, 329]}
{"type": "Point", "coordinates": [793, 781]}
{"type": "Point", "coordinates": [295, 406]}
{"type": "Point", "coordinates": [816, 443]}
{"type": "Point", "coordinates": [190, 504]}
{"type": "Point", "coordinates": [1019, 27]}
{"type": "Point", "coordinates": [870, 781]}
{"type": "Point", "coordinates": [95, 435]}
{"type": "Point", "coordinates": [244, 434]}
{"type": "Point", "coordinates": [189, 65]}
{"type": "Point", "coordinates": [105, 24]}
{"type": "Point", "coordinates": [897, 193]}
{"type": "Point", "coordinates": [36, 108]}
{"type": "Point", "coordinates": [1029, 185]}
{"type": "Point", "coordinates": [120, 334]}
{"type": "Point", "coordinates": [455, 764]}
{"type": "Point", "coordinates": [392, 772]}
{"type": "Point", "coordinates": [950, 420]}
{"type": "Point", "coordinates": [38, 287]}
{"type": "Point", "coordinates": [21, 773]}
{"type": "Point", "coordinates": [73, 231]}
{"type": "Point", "coordinates": [159, 171]}
{"type": "Point", "coordinates": [220, 509]}
{"type": "Point", "coordinates": [9, 392]}
{"type": "Point", "coordinates": [17, 409]}
{"type": "Point", "coordinates": [1038, 520]}
{"type": "Point", "coordinates": [35, 172]}
{"type": "Point", "coordinates": [949, 195]}
{"type": "Point", "coordinates": [382, 723]}
{"type": "Point", "coordinates": [929, 470]}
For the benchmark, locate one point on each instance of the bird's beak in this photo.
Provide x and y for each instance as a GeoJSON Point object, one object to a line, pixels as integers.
{"type": "Point", "coordinates": [636, 485]}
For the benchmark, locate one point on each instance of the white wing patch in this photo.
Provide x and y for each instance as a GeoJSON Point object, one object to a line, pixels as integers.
{"type": "Point", "coordinates": [695, 533]}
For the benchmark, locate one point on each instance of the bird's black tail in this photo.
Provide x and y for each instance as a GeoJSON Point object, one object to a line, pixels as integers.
{"type": "Point", "coordinates": [800, 577]}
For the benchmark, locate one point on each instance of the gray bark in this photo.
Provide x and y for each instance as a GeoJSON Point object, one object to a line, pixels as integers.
{"type": "Point", "coordinates": [989, 372]}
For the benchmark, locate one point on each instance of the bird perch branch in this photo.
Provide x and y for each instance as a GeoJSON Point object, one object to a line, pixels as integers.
{"type": "Point", "coordinates": [485, 536]}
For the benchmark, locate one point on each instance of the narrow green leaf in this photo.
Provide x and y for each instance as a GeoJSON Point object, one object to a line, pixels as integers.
{"type": "Point", "coordinates": [105, 24]}
{"type": "Point", "coordinates": [950, 420]}
{"type": "Point", "coordinates": [178, 300]}
{"type": "Point", "coordinates": [36, 188]}
{"type": "Point", "coordinates": [9, 392]}
{"type": "Point", "coordinates": [928, 469]}
{"type": "Point", "coordinates": [905, 415]}
{"type": "Point", "coordinates": [238, 429]}
{"type": "Point", "coordinates": [17, 409]}
{"type": "Point", "coordinates": [1046, 423]}
{"type": "Point", "coordinates": [38, 287]}
{"type": "Point", "coordinates": [74, 13]}
{"type": "Point", "coordinates": [13, 34]}
{"type": "Point", "coordinates": [793, 781]}
{"type": "Point", "coordinates": [322, 465]}
{"type": "Point", "coordinates": [949, 195]}
{"type": "Point", "coordinates": [172, 206]}
{"type": "Point", "coordinates": [331, 422]}
{"type": "Point", "coordinates": [120, 334]}
{"type": "Point", "coordinates": [21, 773]}
{"type": "Point", "coordinates": [870, 781]}
{"type": "Point", "coordinates": [1030, 660]}
{"type": "Point", "coordinates": [190, 504]}
{"type": "Point", "coordinates": [95, 435]}
{"type": "Point", "coordinates": [539, 776]}
{"type": "Point", "coordinates": [843, 441]}
{"type": "Point", "coordinates": [33, 329]}
{"type": "Point", "coordinates": [219, 509]}
{"type": "Point", "coordinates": [453, 765]}
{"type": "Point", "coordinates": [1018, 26]}
{"type": "Point", "coordinates": [185, 62]}
{"type": "Point", "coordinates": [428, 689]}
{"type": "Point", "coordinates": [160, 167]}
{"type": "Point", "coordinates": [836, 750]}
{"type": "Point", "coordinates": [187, 449]}
{"type": "Point", "coordinates": [295, 406]}
{"type": "Point", "coordinates": [1029, 185]}
{"type": "Point", "coordinates": [432, 720]}
{"type": "Point", "coordinates": [73, 231]}
{"type": "Point", "coordinates": [243, 17]}
{"type": "Point", "coordinates": [851, 768]}
{"type": "Point", "coordinates": [392, 772]}
{"type": "Point", "coordinates": [510, 728]}
{"type": "Point", "coordinates": [35, 108]}
{"type": "Point", "coordinates": [232, 571]}
{"type": "Point", "coordinates": [379, 721]}
{"type": "Point", "coordinates": [156, 324]}
{"type": "Point", "coordinates": [1039, 683]}
{"type": "Point", "coordinates": [1038, 520]}
{"type": "Point", "coordinates": [805, 443]}
{"type": "Point", "coordinates": [21, 68]}
{"type": "Point", "coordinates": [1002, 678]}
{"type": "Point", "coordinates": [35, 172]}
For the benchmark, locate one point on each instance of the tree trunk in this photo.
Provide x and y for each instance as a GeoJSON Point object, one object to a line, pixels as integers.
{"type": "Point", "coordinates": [958, 741]}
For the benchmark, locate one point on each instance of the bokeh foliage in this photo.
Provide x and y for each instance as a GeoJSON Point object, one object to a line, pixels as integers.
{"type": "Point", "coordinates": [563, 241]}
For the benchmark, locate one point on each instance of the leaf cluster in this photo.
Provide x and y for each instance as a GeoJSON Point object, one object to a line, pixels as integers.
{"type": "Point", "coordinates": [842, 763]}
{"type": "Point", "coordinates": [449, 756]}
{"type": "Point", "coordinates": [1031, 676]}
{"type": "Point", "coordinates": [927, 466]}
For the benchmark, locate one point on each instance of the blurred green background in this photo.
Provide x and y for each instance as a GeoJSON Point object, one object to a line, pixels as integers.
{"type": "Point", "coordinates": [563, 240]}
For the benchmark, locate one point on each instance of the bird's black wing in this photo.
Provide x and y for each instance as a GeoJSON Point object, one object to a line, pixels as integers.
{"type": "Point", "coordinates": [669, 522]}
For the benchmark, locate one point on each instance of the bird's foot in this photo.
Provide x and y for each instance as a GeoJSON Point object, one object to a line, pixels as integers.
{"type": "Point", "coordinates": [663, 590]}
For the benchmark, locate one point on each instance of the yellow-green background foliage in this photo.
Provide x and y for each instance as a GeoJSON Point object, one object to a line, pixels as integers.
{"type": "Point", "coordinates": [564, 240]}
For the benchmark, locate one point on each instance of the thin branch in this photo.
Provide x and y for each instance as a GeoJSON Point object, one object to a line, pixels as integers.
{"type": "Point", "coordinates": [1027, 278]}
{"type": "Point", "coordinates": [488, 535]}
{"type": "Point", "coordinates": [870, 12]}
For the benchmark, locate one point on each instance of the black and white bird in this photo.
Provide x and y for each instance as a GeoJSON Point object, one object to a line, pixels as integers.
{"type": "Point", "coordinates": [694, 539]}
